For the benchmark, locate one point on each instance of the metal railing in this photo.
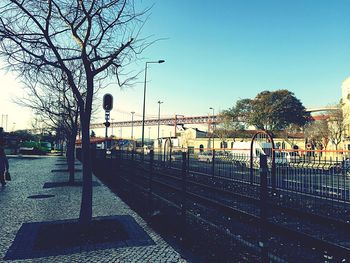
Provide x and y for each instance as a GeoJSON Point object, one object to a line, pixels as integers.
{"type": "Point", "coordinates": [309, 183]}
{"type": "Point", "coordinates": [325, 175]}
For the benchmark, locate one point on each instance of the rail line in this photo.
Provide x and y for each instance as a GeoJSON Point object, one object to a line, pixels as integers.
{"type": "Point", "coordinates": [273, 225]}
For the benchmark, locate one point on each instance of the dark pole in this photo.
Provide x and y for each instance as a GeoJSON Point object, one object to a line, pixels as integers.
{"type": "Point", "coordinates": [144, 107]}
{"type": "Point", "coordinates": [132, 125]}
{"type": "Point", "coordinates": [263, 208]}
{"type": "Point", "coordinates": [159, 102]}
{"type": "Point", "coordinates": [144, 100]}
{"type": "Point", "coordinates": [212, 133]}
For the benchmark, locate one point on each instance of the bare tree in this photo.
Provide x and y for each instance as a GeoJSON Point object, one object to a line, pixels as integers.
{"type": "Point", "coordinates": [317, 133]}
{"type": "Point", "coordinates": [49, 96]}
{"type": "Point", "coordinates": [336, 126]}
{"type": "Point", "coordinates": [99, 36]}
{"type": "Point", "coordinates": [289, 134]}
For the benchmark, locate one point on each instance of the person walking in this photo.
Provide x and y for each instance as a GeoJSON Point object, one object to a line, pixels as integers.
{"type": "Point", "coordinates": [4, 166]}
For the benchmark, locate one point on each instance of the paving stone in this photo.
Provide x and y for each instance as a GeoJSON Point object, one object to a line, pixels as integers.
{"type": "Point", "coordinates": [28, 178]}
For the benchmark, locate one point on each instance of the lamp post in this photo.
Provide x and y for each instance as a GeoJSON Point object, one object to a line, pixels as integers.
{"type": "Point", "coordinates": [144, 99]}
{"type": "Point", "coordinates": [132, 125]}
{"type": "Point", "coordinates": [112, 126]}
{"type": "Point", "coordinates": [159, 102]}
{"type": "Point", "coordinates": [212, 133]}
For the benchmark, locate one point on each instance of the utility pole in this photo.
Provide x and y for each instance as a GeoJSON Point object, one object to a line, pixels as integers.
{"type": "Point", "coordinates": [159, 102]}
{"type": "Point", "coordinates": [132, 125]}
{"type": "Point", "coordinates": [213, 126]}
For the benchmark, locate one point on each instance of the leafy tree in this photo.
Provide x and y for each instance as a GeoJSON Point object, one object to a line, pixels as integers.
{"type": "Point", "coordinates": [276, 110]}
{"type": "Point", "coordinates": [270, 110]}
{"type": "Point", "coordinates": [238, 117]}
{"type": "Point", "coordinates": [100, 37]}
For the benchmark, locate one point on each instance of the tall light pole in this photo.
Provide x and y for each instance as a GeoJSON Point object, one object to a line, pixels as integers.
{"type": "Point", "coordinates": [112, 125]}
{"type": "Point", "coordinates": [159, 102]}
{"type": "Point", "coordinates": [132, 125]}
{"type": "Point", "coordinates": [212, 133]}
{"type": "Point", "coordinates": [144, 99]}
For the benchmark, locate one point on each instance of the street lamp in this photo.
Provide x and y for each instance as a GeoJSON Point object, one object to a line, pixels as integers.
{"type": "Point", "coordinates": [132, 125]}
{"type": "Point", "coordinates": [212, 133]}
{"type": "Point", "coordinates": [144, 99]}
{"type": "Point", "coordinates": [159, 102]}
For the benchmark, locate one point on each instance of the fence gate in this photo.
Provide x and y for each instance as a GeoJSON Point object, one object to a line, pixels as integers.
{"type": "Point", "coordinates": [262, 143]}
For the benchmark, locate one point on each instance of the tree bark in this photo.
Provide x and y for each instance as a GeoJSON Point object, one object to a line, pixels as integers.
{"type": "Point", "coordinates": [71, 156]}
{"type": "Point", "coordinates": [86, 202]}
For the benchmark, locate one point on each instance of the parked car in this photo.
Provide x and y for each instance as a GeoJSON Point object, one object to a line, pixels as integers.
{"type": "Point", "coordinates": [286, 157]}
{"type": "Point", "coordinates": [176, 156]}
{"type": "Point", "coordinates": [205, 157]}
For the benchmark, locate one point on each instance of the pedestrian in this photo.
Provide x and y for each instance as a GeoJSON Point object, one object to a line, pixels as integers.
{"type": "Point", "coordinates": [4, 166]}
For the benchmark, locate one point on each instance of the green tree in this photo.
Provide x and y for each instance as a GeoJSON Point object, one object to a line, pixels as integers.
{"type": "Point", "coordinates": [270, 110]}
{"type": "Point", "coordinates": [237, 117]}
{"type": "Point", "coordinates": [276, 110]}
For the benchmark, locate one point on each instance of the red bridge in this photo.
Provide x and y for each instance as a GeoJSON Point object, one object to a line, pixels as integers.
{"type": "Point", "coordinates": [163, 121]}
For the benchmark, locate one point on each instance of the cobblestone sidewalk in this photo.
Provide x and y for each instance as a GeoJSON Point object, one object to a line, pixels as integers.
{"type": "Point", "coordinates": [28, 178]}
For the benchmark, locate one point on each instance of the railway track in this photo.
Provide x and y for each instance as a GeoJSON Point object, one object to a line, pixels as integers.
{"type": "Point", "coordinates": [319, 233]}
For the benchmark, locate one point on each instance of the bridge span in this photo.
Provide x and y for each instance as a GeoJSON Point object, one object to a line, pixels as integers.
{"type": "Point", "coordinates": [185, 120]}
{"type": "Point", "coordinates": [162, 121]}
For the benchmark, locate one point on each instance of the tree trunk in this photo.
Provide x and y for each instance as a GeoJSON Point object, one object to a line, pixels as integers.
{"type": "Point", "coordinates": [86, 201]}
{"type": "Point", "coordinates": [71, 156]}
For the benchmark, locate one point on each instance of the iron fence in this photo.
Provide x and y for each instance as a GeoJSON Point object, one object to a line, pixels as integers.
{"type": "Point", "coordinates": [313, 182]}
{"type": "Point", "coordinates": [321, 174]}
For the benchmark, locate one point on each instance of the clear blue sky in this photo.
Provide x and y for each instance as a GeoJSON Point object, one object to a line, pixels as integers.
{"type": "Point", "coordinates": [217, 52]}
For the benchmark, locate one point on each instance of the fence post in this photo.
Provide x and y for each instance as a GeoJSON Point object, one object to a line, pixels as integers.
{"type": "Point", "coordinates": [150, 183]}
{"type": "Point", "coordinates": [213, 164]}
{"type": "Point", "coordinates": [251, 163]}
{"type": "Point", "coordinates": [273, 172]}
{"type": "Point", "coordinates": [183, 185]}
{"type": "Point", "coordinates": [263, 207]}
{"type": "Point", "coordinates": [183, 191]}
{"type": "Point", "coordinates": [188, 159]}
